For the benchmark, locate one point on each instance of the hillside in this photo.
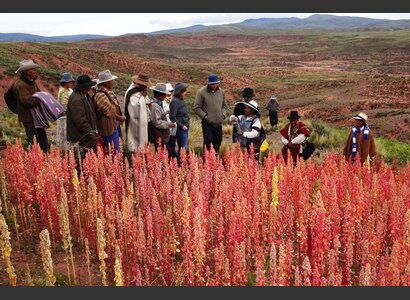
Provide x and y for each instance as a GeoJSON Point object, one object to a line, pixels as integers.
{"type": "Point", "coordinates": [325, 75]}
{"type": "Point", "coordinates": [24, 37]}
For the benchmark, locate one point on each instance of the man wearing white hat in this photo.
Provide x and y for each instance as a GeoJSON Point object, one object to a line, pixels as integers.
{"type": "Point", "coordinates": [108, 111]}
{"type": "Point", "coordinates": [23, 89]}
{"type": "Point", "coordinates": [360, 144]}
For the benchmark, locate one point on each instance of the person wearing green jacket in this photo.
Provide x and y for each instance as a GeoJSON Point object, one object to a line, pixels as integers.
{"type": "Point", "coordinates": [210, 106]}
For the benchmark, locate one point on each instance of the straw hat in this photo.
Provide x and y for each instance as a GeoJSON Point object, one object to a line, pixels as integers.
{"type": "Point", "coordinates": [142, 79]}
{"type": "Point", "coordinates": [27, 64]}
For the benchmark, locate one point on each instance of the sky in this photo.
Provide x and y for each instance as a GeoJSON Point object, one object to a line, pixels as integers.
{"type": "Point", "coordinates": [114, 24]}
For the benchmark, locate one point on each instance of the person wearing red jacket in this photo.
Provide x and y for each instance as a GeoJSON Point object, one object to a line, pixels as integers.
{"type": "Point", "coordinates": [293, 135]}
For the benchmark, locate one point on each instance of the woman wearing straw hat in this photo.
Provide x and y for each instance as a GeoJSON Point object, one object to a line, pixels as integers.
{"type": "Point", "coordinates": [23, 89]}
{"type": "Point", "coordinates": [108, 111]}
{"type": "Point", "coordinates": [66, 84]}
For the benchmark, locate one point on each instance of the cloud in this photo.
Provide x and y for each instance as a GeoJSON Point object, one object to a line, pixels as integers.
{"type": "Point", "coordinates": [118, 24]}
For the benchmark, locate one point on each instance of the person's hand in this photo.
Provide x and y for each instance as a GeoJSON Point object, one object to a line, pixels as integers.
{"type": "Point", "coordinates": [292, 146]}
{"type": "Point", "coordinates": [184, 128]}
{"type": "Point", "coordinates": [171, 125]}
{"type": "Point", "coordinates": [233, 119]}
{"type": "Point", "coordinates": [120, 118]}
{"type": "Point", "coordinates": [167, 112]}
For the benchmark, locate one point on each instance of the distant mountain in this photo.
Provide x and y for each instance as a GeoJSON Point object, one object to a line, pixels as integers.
{"type": "Point", "coordinates": [179, 30]}
{"type": "Point", "coordinates": [249, 26]}
{"type": "Point", "coordinates": [317, 21]}
{"type": "Point", "coordinates": [25, 37]}
{"type": "Point", "coordinates": [331, 22]}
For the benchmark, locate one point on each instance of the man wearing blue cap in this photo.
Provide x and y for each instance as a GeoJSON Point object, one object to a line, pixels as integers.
{"type": "Point", "coordinates": [210, 106]}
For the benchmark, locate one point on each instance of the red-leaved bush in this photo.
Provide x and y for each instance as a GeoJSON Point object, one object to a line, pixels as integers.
{"type": "Point", "coordinates": [214, 221]}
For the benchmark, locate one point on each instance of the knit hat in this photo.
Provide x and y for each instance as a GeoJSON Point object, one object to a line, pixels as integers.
{"type": "Point", "coordinates": [179, 87]}
{"type": "Point", "coordinates": [213, 78]}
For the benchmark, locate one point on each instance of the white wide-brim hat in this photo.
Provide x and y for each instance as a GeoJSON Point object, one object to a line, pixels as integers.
{"type": "Point", "coordinates": [105, 76]}
{"type": "Point", "coordinates": [252, 104]}
{"type": "Point", "coordinates": [161, 88]}
{"type": "Point", "coordinates": [27, 64]}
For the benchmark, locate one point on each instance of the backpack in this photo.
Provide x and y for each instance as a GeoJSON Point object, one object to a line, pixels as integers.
{"type": "Point", "coordinates": [11, 100]}
{"type": "Point", "coordinates": [308, 150]}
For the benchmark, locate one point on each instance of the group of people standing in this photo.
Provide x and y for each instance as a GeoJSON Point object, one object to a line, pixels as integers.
{"type": "Point", "coordinates": [94, 117]}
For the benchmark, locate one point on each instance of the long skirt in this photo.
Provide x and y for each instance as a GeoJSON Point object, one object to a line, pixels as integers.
{"type": "Point", "coordinates": [61, 134]}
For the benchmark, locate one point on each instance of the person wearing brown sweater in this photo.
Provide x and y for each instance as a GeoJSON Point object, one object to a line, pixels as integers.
{"type": "Point", "coordinates": [108, 110]}
{"type": "Point", "coordinates": [360, 145]}
{"type": "Point", "coordinates": [23, 90]}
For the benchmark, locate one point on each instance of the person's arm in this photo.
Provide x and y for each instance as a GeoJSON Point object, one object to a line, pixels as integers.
{"type": "Point", "coordinates": [173, 109]}
{"type": "Point", "coordinates": [78, 114]}
{"type": "Point", "coordinates": [198, 106]}
{"type": "Point", "coordinates": [223, 106]}
{"type": "Point", "coordinates": [256, 129]}
{"type": "Point", "coordinates": [156, 117]}
{"type": "Point", "coordinates": [284, 140]}
{"type": "Point", "coordinates": [269, 106]}
{"type": "Point", "coordinates": [299, 139]}
{"type": "Point", "coordinates": [346, 149]}
{"type": "Point", "coordinates": [25, 96]}
{"type": "Point", "coordinates": [372, 150]}
{"type": "Point", "coordinates": [104, 105]}
{"type": "Point", "coordinates": [283, 135]}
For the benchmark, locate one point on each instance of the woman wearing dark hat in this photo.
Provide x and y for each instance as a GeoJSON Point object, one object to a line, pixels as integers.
{"type": "Point", "coordinates": [81, 116]}
{"type": "Point", "coordinates": [360, 144]}
{"type": "Point", "coordinates": [66, 84]}
{"type": "Point", "coordinates": [249, 128]}
{"type": "Point", "coordinates": [293, 135]}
